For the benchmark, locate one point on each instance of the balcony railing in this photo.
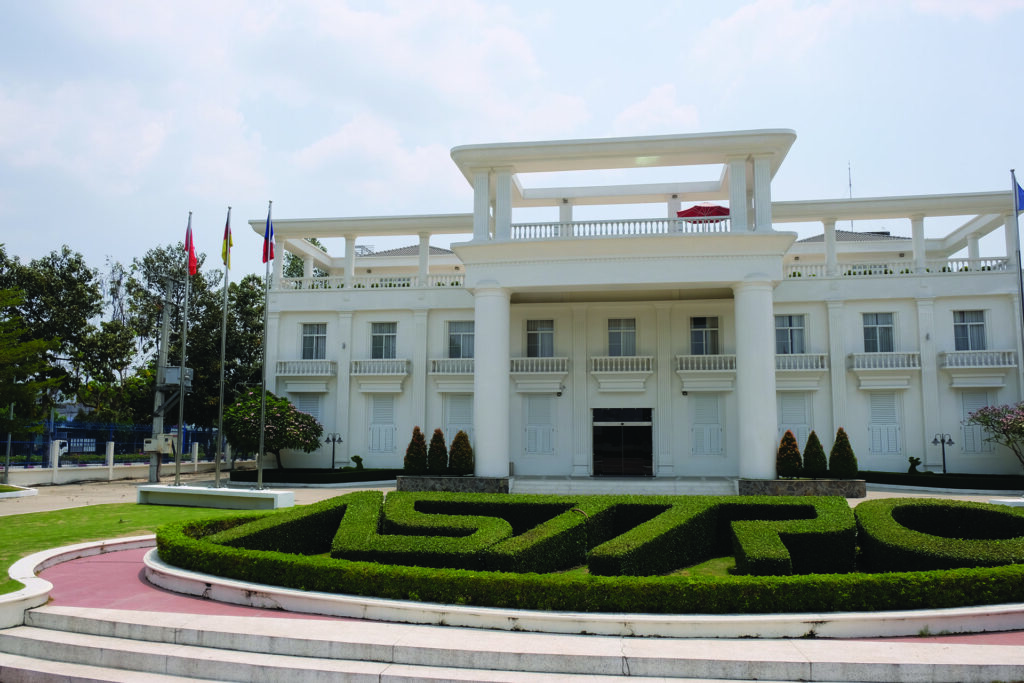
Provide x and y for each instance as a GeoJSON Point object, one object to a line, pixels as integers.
{"type": "Point", "coordinates": [539, 365]}
{"type": "Point", "coordinates": [801, 361]}
{"type": "Point", "coordinates": [380, 366]}
{"type": "Point", "coordinates": [307, 368]}
{"type": "Point", "coordinates": [451, 366]}
{"type": "Point", "coordinates": [622, 363]}
{"type": "Point", "coordinates": [896, 268]}
{"type": "Point", "coordinates": [619, 228]}
{"type": "Point", "coordinates": [706, 363]}
{"type": "Point", "coordinates": [978, 359]}
{"type": "Point", "coordinates": [885, 361]}
{"type": "Point", "coordinates": [363, 282]}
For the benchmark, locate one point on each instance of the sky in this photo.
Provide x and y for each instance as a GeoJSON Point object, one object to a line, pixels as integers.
{"type": "Point", "coordinates": [117, 118]}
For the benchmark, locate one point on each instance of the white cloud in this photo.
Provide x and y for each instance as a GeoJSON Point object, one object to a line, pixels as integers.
{"type": "Point", "coordinates": [658, 112]}
{"type": "Point", "coordinates": [986, 10]}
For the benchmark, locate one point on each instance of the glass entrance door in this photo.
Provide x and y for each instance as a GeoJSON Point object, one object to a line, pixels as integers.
{"type": "Point", "coordinates": [623, 444]}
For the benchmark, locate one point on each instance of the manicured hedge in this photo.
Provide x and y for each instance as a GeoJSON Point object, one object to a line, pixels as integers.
{"type": "Point", "coordinates": [316, 476]}
{"type": "Point", "coordinates": [982, 482]}
{"type": "Point", "coordinates": [900, 534]}
{"type": "Point", "coordinates": [625, 535]}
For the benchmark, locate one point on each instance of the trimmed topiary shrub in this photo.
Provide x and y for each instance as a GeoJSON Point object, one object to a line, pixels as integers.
{"type": "Point", "coordinates": [437, 454]}
{"type": "Point", "coordinates": [842, 463]}
{"type": "Point", "coordinates": [460, 459]}
{"type": "Point", "coordinates": [787, 459]}
{"type": "Point", "coordinates": [815, 462]}
{"type": "Point", "coordinates": [416, 453]}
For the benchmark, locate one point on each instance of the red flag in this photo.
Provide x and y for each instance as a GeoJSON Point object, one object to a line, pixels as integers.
{"type": "Point", "coordinates": [190, 248]}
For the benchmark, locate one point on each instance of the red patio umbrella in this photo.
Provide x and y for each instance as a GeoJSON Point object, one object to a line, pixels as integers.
{"type": "Point", "coordinates": [703, 210]}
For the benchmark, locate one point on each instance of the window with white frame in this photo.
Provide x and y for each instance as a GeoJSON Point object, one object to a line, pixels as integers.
{"type": "Point", "coordinates": [309, 404]}
{"type": "Point", "coordinates": [314, 341]}
{"type": "Point", "coordinates": [460, 338]}
{"type": "Point", "coordinates": [540, 424]}
{"type": "Point", "coordinates": [382, 423]}
{"type": "Point", "coordinates": [706, 429]}
{"type": "Point", "coordinates": [795, 415]}
{"type": "Point", "coordinates": [540, 338]}
{"type": "Point", "coordinates": [878, 333]}
{"type": "Point", "coordinates": [789, 334]}
{"type": "Point", "coordinates": [383, 337]}
{"type": "Point", "coordinates": [704, 336]}
{"type": "Point", "coordinates": [884, 423]}
{"type": "Point", "coordinates": [969, 330]}
{"type": "Point", "coordinates": [973, 437]}
{"type": "Point", "coordinates": [621, 336]}
{"type": "Point", "coordinates": [458, 416]}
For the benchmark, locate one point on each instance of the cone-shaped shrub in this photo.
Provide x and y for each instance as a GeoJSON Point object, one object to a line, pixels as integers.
{"type": "Point", "coordinates": [461, 456]}
{"type": "Point", "coordinates": [842, 463]}
{"type": "Point", "coordinates": [437, 454]}
{"type": "Point", "coordinates": [787, 459]}
{"type": "Point", "coordinates": [815, 462]}
{"type": "Point", "coordinates": [416, 453]}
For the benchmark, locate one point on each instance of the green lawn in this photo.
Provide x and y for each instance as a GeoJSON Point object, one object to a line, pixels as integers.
{"type": "Point", "coordinates": [7, 489]}
{"type": "Point", "coordinates": [22, 535]}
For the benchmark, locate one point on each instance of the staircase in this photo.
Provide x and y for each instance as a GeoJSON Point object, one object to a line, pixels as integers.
{"type": "Point", "coordinates": [74, 645]}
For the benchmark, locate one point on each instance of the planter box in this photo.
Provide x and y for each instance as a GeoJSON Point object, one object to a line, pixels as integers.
{"type": "Point", "coordinates": [455, 484]}
{"type": "Point", "coordinates": [847, 488]}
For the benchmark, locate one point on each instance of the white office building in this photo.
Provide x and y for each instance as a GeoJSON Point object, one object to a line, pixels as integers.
{"type": "Point", "coordinates": [673, 347]}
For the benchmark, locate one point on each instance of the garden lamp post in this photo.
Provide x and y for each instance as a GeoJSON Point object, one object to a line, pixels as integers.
{"type": "Point", "coordinates": [943, 440]}
{"type": "Point", "coordinates": [334, 439]}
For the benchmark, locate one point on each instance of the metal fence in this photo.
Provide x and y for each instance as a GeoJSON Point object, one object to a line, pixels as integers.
{"type": "Point", "coordinates": [87, 444]}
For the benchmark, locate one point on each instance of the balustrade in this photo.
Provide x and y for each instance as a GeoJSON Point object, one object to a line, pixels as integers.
{"type": "Point", "coordinates": [307, 368]}
{"type": "Point", "coordinates": [801, 361]}
{"type": "Point", "coordinates": [885, 361]}
{"type": "Point", "coordinates": [706, 363]}
{"type": "Point", "coordinates": [451, 366]}
{"type": "Point", "coordinates": [380, 366]}
{"type": "Point", "coordinates": [524, 365]}
{"type": "Point", "coordinates": [622, 363]}
{"type": "Point", "coordinates": [978, 359]}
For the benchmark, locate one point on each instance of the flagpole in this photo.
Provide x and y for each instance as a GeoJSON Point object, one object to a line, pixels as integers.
{"type": "Point", "coordinates": [181, 374]}
{"type": "Point", "coordinates": [268, 243]}
{"type": "Point", "coordinates": [226, 254]}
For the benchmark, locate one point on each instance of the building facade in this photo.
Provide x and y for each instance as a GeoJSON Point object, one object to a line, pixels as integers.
{"type": "Point", "coordinates": [681, 345]}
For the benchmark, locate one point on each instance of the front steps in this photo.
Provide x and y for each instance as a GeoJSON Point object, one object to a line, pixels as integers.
{"type": "Point", "coordinates": [72, 644]}
{"type": "Point", "coordinates": [651, 486]}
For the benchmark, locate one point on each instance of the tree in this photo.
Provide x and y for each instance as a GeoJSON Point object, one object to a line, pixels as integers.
{"type": "Point", "coordinates": [285, 428]}
{"type": "Point", "coordinates": [416, 453]}
{"type": "Point", "coordinates": [460, 458]}
{"type": "Point", "coordinates": [842, 463]}
{"type": "Point", "coordinates": [787, 459]}
{"type": "Point", "coordinates": [1003, 425]}
{"type": "Point", "coordinates": [437, 454]}
{"type": "Point", "coordinates": [815, 462]}
{"type": "Point", "coordinates": [294, 268]}
{"type": "Point", "coordinates": [22, 366]}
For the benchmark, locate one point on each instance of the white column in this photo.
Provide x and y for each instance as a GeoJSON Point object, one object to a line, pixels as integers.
{"type": "Point", "coordinates": [757, 419]}
{"type": "Point", "coordinates": [836, 366]}
{"type": "Point", "coordinates": [278, 266]}
{"type": "Point", "coordinates": [110, 460]}
{"type": "Point", "coordinates": [503, 204]}
{"type": "Point", "coordinates": [350, 260]}
{"type": "Point", "coordinates": [674, 205]}
{"type": "Point", "coordinates": [929, 387]}
{"type": "Point", "coordinates": [491, 380]}
{"type": "Point", "coordinates": [762, 194]}
{"type": "Point", "coordinates": [565, 218]}
{"type": "Point", "coordinates": [973, 251]}
{"type": "Point", "coordinates": [738, 194]}
{"type": "Point", "coordinates": [664, 463]}
{"type": "Point", "coordinates": [424, 254]}
{"type": "Point", "coordinates": [831, 261]}
{"type": "Point", "coordinates": [419, 367]}
{"type": "Point", "coordinates": [481, 206]}
{"type": "Point", "coordinates": [343, 393]}
{"type": "Point", "coordinates": [307, 266]}
{"type": "Point", "coordinates": [917, 242]}
{"type": "Point", "coordinates": [582, 427]}
{"type": "Point", "coordinates": [1012, 239]}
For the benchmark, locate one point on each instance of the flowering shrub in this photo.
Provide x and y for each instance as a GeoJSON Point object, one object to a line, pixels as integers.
{"type": "Point", "coordinates": [1003, 425]}
{"type": "Point", "coordinates": [285, 425]}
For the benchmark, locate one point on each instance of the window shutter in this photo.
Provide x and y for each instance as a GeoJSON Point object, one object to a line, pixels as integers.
{"type": "Point", "coordinates": [540, 427]}
{"type": "Point", "coordinates": [308, 403]}
{"type": "Point", "coordinates": [382, 423]}
{"type": "Point", "coordinates": [706, 432]}
{"type": "Point", "coordinates": [884, 424]}
{"type": "Point", "coordinates": [793, 415]}
{"type": "Point", "coordinates": [459, 412]}
{"type": "Point", "coordinates": [974, 435]}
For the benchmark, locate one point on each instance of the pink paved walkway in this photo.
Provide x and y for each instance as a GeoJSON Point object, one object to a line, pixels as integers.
{"type": "Point", "coordinates": [116, 581]}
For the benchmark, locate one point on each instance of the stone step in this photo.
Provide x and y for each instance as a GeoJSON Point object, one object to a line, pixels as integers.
{"type": "Point", "coordinates": [121, 659]}
{"type": "Point", "coordinates": [470, 651]}
{"type": "Point", "coordinates": [18, 669]}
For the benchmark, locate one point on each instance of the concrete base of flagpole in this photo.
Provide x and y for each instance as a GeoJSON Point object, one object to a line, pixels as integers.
{"type": "Point", "coordinates": [224, 498]}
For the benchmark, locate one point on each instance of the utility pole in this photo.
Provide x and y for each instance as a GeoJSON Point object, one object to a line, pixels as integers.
{"type": "Point", "coordinates": [161, 379]}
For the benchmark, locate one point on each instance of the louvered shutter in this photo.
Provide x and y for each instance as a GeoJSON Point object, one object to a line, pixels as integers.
{"type": "Point", "coordinates": [382, 423]}
{"type": "Point", "coordinates": [884, 424]}
{"type": "Point", "coordinates": [793, 416]}
{"type": "Point", "coordinates": [308, 403]}
{"type": "Point", "coordinates": [458, 415]}
{"type": "Point", "coordinates": [540, 426]}
{"type": "Point", "coordinates": [707, 428]}
{"type": "Point", "coordinates": [974, 435]}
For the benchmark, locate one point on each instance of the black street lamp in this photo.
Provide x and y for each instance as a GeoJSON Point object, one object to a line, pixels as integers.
{"type": "Point", "coordinates": [333, 438]}
{"type": "Point", "coordinates": [944, 440]}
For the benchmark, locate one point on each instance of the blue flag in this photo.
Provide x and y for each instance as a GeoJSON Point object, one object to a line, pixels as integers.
{"type": "Point", "coordinates": [1020, 198]}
